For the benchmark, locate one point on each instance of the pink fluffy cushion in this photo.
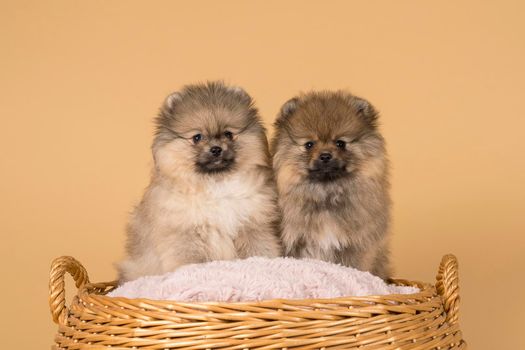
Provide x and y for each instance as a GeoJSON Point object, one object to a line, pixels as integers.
{"type": "Point", "coordinates": [256, 279]}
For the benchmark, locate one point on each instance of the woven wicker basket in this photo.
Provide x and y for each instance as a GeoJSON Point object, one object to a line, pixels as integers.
{"type": "Point", "coordinates": [426, 320]}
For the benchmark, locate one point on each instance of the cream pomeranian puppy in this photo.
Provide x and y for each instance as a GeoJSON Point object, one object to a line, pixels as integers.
{"type": "Point", "coordinates": [212, 195]}
{"type": "Point", "coordinates": [332, 177]}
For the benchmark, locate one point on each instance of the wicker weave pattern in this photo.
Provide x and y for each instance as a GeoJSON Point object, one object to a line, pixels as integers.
{"type": "Point", "coordinates": [426, 320]}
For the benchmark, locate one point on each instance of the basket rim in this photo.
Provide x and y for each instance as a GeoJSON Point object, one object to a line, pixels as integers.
{"type": "Point", "coordinates": [99, 290]}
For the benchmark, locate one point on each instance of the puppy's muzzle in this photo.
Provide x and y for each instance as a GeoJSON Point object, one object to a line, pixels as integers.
{"type": "Point", "coordinates": [215, 159]}
{"type": "Point", "coordinates": [326, 168]}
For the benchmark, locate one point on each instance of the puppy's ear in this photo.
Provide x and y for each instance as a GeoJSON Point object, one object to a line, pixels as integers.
{"type": "Point", "coordinates": [166, 111]}
{"type": "Point", "coordinates": [171, 101]}
{"type": "Point", "coordinates": [288, 109]}
{"type": "Point", "coordinates": [364, 109]}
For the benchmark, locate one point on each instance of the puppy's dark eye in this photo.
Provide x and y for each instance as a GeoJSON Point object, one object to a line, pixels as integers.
{"type": "Point", "coordinates": [228, 134]}
{"type": "Point", "coordinates": [196, 138]}
{"type": "Point", "coordinates": [309, 144]}
{"type": "Point", "coordinates": [340, 144]}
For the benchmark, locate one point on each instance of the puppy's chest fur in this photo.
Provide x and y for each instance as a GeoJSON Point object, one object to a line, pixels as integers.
{"type": "Point", "coordinates": [323, 232]}
{"type": "Point", "coordinates": [321, 223]}
{"type": "Point", "coordinates": [209, 207]}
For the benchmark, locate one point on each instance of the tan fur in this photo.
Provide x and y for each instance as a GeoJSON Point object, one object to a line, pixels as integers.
{"type": "Point", "coordinates": [344, 219]}
{"type": "Point", "coordinates": [189, 216]}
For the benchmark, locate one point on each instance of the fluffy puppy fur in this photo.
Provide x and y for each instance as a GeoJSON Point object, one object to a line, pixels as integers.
{"type": "Point", "coordinates": [332, 178]}
{"type": "Point", "coordinates": [212, 195]}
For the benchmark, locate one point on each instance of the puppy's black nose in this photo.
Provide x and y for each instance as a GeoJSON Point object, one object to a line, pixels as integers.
{"type": "Point", "coordinates": [216, 151]}
{"type": "Point", "coordinates": [325, 157]}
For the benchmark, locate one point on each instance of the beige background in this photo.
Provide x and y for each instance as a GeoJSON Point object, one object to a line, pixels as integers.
{"type": "Point", "coordinates": [81, 82]}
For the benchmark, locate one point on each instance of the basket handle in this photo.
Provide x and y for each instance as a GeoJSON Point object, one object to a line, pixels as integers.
{"type": "Point", "coordinates": [57, 292]}
{"type": "Point", "coordinates": [447, 286]}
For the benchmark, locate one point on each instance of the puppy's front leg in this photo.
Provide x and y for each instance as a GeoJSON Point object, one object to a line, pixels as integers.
{"type": "Point", "coordinates": [256, 239]}
{"type": "Point", "coordinates": [373, 259]}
